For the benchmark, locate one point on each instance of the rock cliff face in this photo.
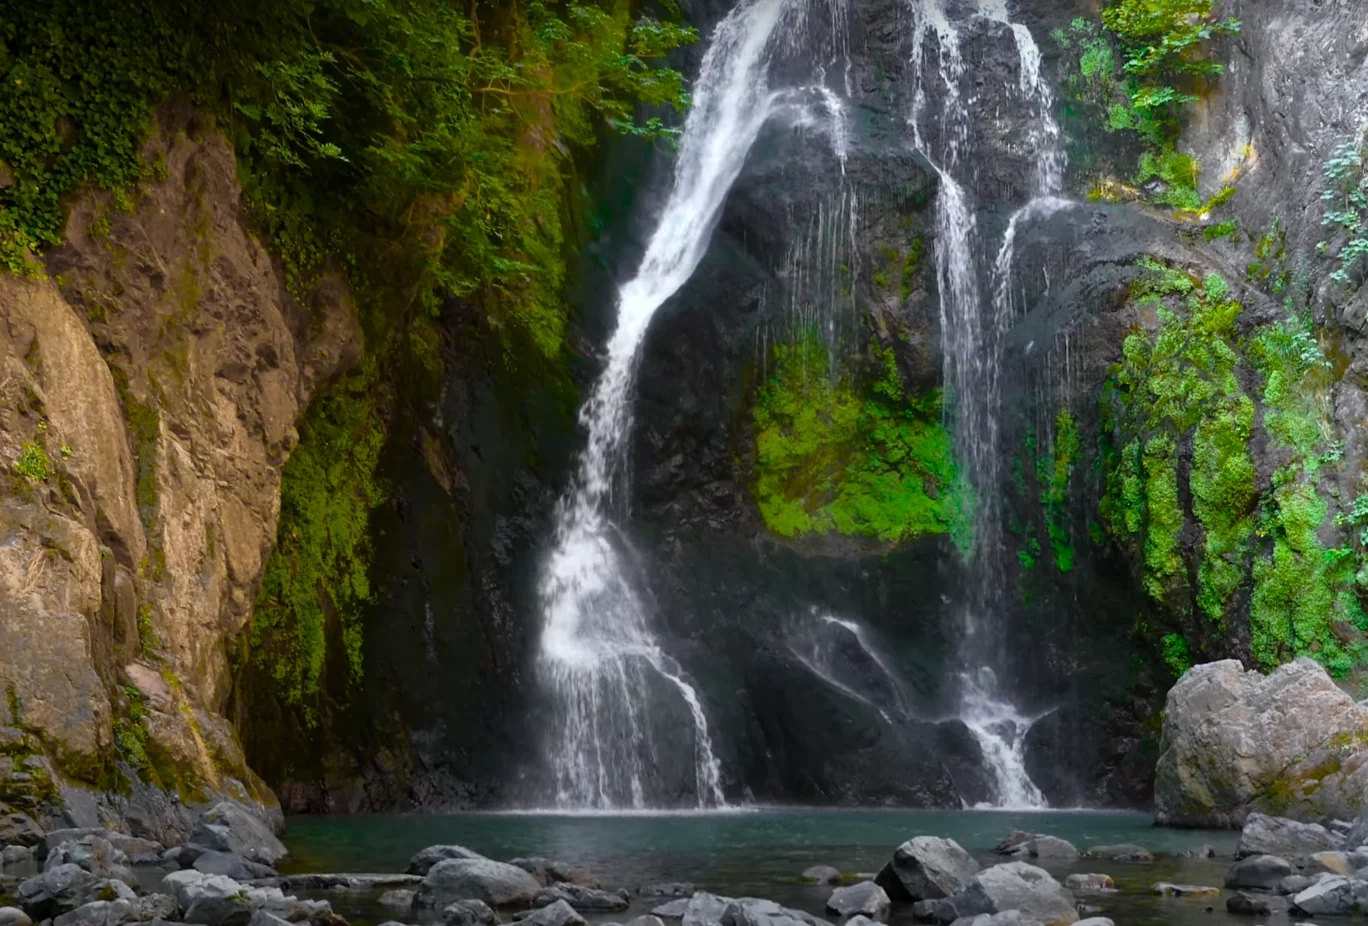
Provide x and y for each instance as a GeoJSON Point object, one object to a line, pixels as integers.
{"type": "Point", "coordinates": [150, 385]}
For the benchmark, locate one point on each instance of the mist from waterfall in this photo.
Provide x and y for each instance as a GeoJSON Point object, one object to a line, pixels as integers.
{"type": "Point", "coordinates": [599, 660]}
{"type": "Point", "coordinates": [972, 327]}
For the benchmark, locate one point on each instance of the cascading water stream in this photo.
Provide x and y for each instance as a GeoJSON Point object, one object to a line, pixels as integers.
{"type": "Point", "coordinates": [598, 656]}
{"type": "Point", "coordinates": [972, 329]}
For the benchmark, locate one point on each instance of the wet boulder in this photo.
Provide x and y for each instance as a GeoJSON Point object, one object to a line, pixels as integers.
{"type": "Point", "coordinates": [422, 861]}
{"type": "Point", "coordinates": [927, 868]}
{"type": "Point", "coordinates": [1051, 847]}
{"type": "Point", "coordinates": [559, 913]}
{"type": "Point", "coordinates": [863, 899]}
{"type": "Point", "coordinates": [1264, 835]}
{"type": "Point", "coordinates": [1243, 903]}
{"type": "Point", "coordinates": [1095, 883]}
{"type": "Point", "coordinates": [1016, 886]}
{"type": "Point", "coordinates": [495, 883]}
{"type": "Point", "coordinates": [1235, 742]}
{"type": "Point", "coordinates": [468, 913]}
{"type": "Point", "coordinates": [1258, 873]}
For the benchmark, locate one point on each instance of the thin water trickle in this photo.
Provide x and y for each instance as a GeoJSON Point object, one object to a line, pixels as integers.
{"type": "Point", "coordinates": [972, 330]}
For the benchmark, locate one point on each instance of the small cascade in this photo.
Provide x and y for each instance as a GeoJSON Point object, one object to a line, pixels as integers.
{"type": "Point", "coordinates": [599, 660]}
{"type": "Point", "coordinates": [866, 676]}
{"type": "Point", "coordinates": [972, 330]}
{"type": "Point", "coordinates": [1001, 733]}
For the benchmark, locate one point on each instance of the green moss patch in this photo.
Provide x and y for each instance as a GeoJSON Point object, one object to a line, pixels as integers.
{"type": "Point", "coordinates": [852, 453]}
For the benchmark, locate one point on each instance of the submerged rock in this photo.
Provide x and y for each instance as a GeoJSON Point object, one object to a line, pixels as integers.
{"type": "Point", "coordinates": [1264, 835]}
{"type": "Point", "coordinates": [1236, 741]}
{"type": "Point", "coordinates": [398, 898]}
{"type": "Point", "coordinates": [549, 872]}
{"type": "Point", "coordinates": [496, 883]}
{"type": "Point", "coordinates": [1247, 904]}
{"type": "Point", "coordinates": [821, 874]}
{"type": "Point", "coordinates": [667, 889]}
{"type": "Point", "coordinates": [1124, 852]}
{"type": "Point", "coordinates": [926, 868]}
{"type": "Point", "coordinates": [864, 899]}
{"type": "Point", "coordinates": [1051, 847]}
{"type": "Point", "coordinates": [1090, 882]}
{"type": "Point", "coordinates": [1167, 889]}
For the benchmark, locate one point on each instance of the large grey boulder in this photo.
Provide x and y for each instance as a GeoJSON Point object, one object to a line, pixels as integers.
{"type": "Point", "coordinates": [755, 911]}
{"type": "Point", "coordinates": [19, 829]}
{"type": "Point", "coordinates": [1290, 743]}
{"type": "Point", "coordinates": [1332, 896]}
{"type": "Point", "coordinates": [56, 891]}
{"type": "Point", "coordinates": [496, 883]}
{"type": "Point", "coordinates": [863, 899]}
{"type": "Point", "coordinates": [209, 900]}
{"type": "Point", "coordinates": [232, 828]}
{"type": "Point", "coordinates": [702, 909]}
{"type": "Point", "coordinates": [1265, 835]}
{"type": "Point", "coordinates": [1051, 847]}
{"type": "Point", "coordinates": [422, 861]}
{"type": "Point", "coordinates": [1017, 886]}
{"type": "Point", "coordinates": [95, 854]}
{"type": "Point", "coordinates": [584, 899]}
{"type": "Point", "coordinates": [927, 868]}
{"type": "Point", "coordinates": [1258, 873]}
{"type": "Point", "coordinates": [122, 910]}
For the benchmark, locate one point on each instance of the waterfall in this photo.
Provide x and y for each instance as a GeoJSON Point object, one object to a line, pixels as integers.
{"type": "Point", "coordinates": [872, 681]}
{"type": "Point", "coordinates": [599, 659]}
{"type": "Point", "coordinates": [972, 330]}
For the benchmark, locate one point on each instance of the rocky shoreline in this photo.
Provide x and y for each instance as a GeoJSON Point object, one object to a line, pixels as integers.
{"type": "Point", "coordinates": [226, 875]}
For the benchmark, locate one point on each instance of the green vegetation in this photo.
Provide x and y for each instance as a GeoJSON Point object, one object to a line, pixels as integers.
{"type": "Point", "coordinates": [425, 148]}
{"type": "Point", "coordinates": [853, 453]}
{"type": "Point", "coordinates": [1179, 410]}
{"type": "Point", "coordinates": [1137, 70]}
{"type": "Point", "coordinates": [322, 556]}
{"type": "Point", "coordinates": [1054, 473]}
{"type": "Point", "coordinates": [1346, 199]}
{"type": "Point", "coordinates": [130, 734]}
{"type": "Point", "coordinates": [33, 463]}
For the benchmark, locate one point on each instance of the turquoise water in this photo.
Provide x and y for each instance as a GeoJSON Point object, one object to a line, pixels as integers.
{"type": "Point", "coordinates": [760, 852]}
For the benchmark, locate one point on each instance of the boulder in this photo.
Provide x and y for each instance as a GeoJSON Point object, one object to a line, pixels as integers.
{"type": "Point", "coordinates": [1236, 741]}
{"type": "Point", "coordinates": [754, 911]}
{"type": "Point", "coordinates": [1051, 847]}
{"type": "Point", "coordinates": [1329, 862]}
{"type": "Point", "coordinates": [1202, 851]}
{"type": "Point", "coordinates": [95, 854]}
{"type": "Point", "coordinates": [55, 891]}
{"type": "Point", "coordinates": [861, 920]}
{"type": "Point", "coordinates": [584, 899]}
{"type": "Point", "coordinates": [122, 910]}
{"type": "Point", "coordinates": [1167, 889]}
{"type": "Point", "coordinates": [231, 866]}
{"type": "Point", "coordinates": [821, 874]}
{"type": "Point", "coordinates": [1295, 884]}
{"type": "Point", "coordinates": [468, 913]}
{"type": "Point", "coordinates": [19, 829]}
{"type": "Point", "coordinates": [1247, 904]}
{"type": "Point", "coordinates": [1096, 921]}
{"type": "Point", "coordinates": [1016, 886]}
{"type": "Point", "coordinates": [1013, 842]}
{"type": "Point", "coordinates": [349, 883]}
{"type": "Point", "coordinates": [1258, 872]}
{"type": "Point", "coordinates": [672, 909]}
{"type": "Point", "coordinates": [232, 828]}
{"type": "Point", "coordinates": [939, 910]}
{"type": "Point", "coordinates": [422, 862]}
{"type": "Point", "coordinates": [1264, 835]}
{"type": "Point", "coordinates": [549, 872]}
{"type": "Point", "coordinates": [559, 913]}
{"type": "Point", "coordinates": [211, 900]}
{"type": "Point", "coordinates": [702, 909]}
{"type": "Point", "coordinates": [1332, 896]}
{"type": "Point", "coordinates": [13, 916]}
{"type": "Point", "coordinates": [496, 883]}
{"type": "Point", "coordinates": [1358, 833]}
{"type": "Point", "coordinates": [863, 899]}
{"type": "Point", "coordinates": [1124, 852]}
{"type": "Point", "coordinates": [927, 868]}
{"type": "Point", "coordinates": [646, 920]}
{"type": "Point", "coordinates": [1005, 918]}
{"type": "Point", "coordinates": [264, 918]}
{"type": "Point", "coordinates": [666, 889]}
{"type": "Point", "coordinates": [1094, 883]}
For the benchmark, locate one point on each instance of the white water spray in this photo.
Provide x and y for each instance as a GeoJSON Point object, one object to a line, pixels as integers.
{"type": "Point", "coordinates": [972, 331]}
{"type": "Point", "coordinates": [599, 659]}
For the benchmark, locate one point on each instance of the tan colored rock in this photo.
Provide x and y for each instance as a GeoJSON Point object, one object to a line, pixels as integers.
{"type": "Point", "coordinates": [1291, 744]}
{"type": "Point", "coordinates": [163, 368]}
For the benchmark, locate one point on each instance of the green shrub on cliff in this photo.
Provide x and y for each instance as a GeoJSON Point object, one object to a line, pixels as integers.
{"type": "Point", "coordinates": [852, 454]}
{"type": "Point", "coordinates": [1182, 415]}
